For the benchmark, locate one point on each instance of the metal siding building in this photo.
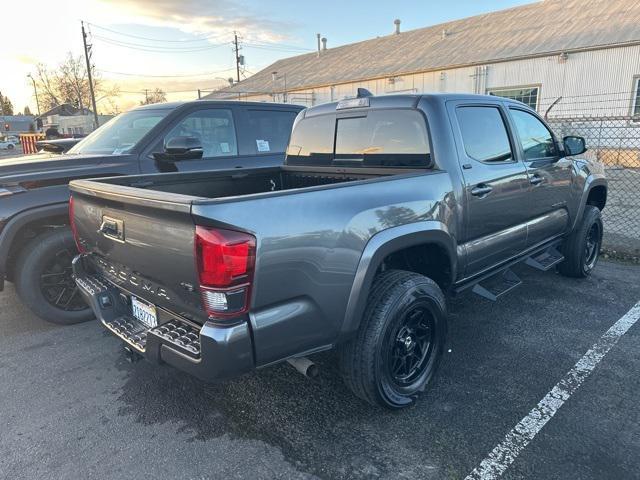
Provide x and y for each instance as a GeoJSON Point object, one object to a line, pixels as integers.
{"type": "Point", "coordinates": [545, 51]}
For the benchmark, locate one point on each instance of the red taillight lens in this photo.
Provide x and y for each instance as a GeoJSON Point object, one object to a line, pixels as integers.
{"type": "Point", "coordinates": [74, 230]}
{"type": "Point", "coordinates": [225, 262]}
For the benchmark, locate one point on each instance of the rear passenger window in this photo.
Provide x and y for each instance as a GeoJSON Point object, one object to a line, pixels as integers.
{"type": "Point", "coordinates": [484, 134]}
{"type": "Point", "coordinates": [270, 130]}
{"type": "Point", "coordinates": [537, 142]}
{"type": "Point", "coordinates": [377, 138]}
{"type": "Point", "coordinates": [383, 138]}
{"type": "Point", "coordinates": [312, 141]}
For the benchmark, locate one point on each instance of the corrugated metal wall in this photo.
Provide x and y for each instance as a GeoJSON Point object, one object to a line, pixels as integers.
{"type": "Point", "coordinates": [606, 76]}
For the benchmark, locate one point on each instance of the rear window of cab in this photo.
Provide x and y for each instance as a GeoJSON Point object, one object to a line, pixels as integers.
{"type": "Point", "coordinates": [394, 138]}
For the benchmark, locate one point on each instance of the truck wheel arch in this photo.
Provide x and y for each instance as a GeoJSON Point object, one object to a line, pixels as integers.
{"type": "Point", "coordinates": [597, 196]}
{"type": "Point", "coordinates": [594, 193]}
{"type": "Point", "coordinates": [430, 234]}
{"type": "Point", "coordinates": [13, 235]}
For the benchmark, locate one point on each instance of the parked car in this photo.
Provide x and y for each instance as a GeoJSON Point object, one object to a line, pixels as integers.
{"type": "Point", "coordinates": [7, 145]}
{"type": "Point", "coordinates": [385, 206]}
{"type": "Point", "coordinates": [36, 245]}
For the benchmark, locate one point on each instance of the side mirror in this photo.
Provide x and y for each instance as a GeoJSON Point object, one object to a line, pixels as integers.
{"type": "Point", "coordinates": [180, 148]}
{"type": "Point", "coordinates": [574, 145]}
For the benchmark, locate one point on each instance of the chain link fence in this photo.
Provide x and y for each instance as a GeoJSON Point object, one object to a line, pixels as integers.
{"type": "Point", "coordinates": [615, 142]}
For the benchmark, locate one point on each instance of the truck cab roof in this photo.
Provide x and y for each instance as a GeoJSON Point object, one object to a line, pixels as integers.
{"type": "Point", "coordinates": [406, 101]}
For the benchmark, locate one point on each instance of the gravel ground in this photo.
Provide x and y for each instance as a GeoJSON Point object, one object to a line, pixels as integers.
{"type": "Point", "coordinates": [73, 407]}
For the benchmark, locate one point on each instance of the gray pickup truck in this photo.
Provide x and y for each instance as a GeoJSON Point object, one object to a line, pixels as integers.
{"type": "Point", "coordinates": [385, 205]}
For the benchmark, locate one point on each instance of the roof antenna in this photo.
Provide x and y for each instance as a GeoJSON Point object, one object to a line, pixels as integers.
{"type": "Point", "coordinates": [363, 92]}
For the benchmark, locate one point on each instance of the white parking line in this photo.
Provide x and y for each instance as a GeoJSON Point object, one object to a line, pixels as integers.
{"type": "Point", "coordinates": [521, 435]}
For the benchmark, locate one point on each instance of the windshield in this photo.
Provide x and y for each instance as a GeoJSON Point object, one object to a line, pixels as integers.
{"type": "Point", "coordinates": [122, 133]}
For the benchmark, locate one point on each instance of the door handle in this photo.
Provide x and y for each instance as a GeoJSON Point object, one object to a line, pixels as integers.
{"type": "Point", "coordinates": [481, 190]}
{"type": "Point", "coordinates": [536, 180]}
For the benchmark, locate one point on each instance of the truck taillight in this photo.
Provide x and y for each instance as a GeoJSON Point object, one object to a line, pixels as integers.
{"type": "Point", "coordinates": [74, 230]}
{"type": "Point", "coordinates": [225, 261]}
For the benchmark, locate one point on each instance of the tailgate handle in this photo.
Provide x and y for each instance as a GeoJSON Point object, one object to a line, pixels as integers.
{"type": "Point", "coordinates": [112, 228]}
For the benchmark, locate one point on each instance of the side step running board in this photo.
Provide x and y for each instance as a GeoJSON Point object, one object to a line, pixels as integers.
{"type": "Point", "coordinates": [494, 287]}
{"type": "Point", "coordinates": [545, 260]}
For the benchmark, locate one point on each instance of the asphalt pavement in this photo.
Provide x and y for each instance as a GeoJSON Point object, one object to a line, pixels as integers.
{"type": "Point", "coordinates": [73, 407]}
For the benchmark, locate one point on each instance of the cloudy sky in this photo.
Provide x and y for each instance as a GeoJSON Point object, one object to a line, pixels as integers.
{"type": "Point", "coordinates": [183, 45]}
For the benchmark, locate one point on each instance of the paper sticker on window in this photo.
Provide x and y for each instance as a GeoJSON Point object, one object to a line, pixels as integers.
{"type": "Point", "coordinates": [224, 147]}
{"type": "Point", "coordinates": [263, 145]}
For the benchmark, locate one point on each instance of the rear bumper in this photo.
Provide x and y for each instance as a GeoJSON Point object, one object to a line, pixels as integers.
{"type": "Point", "coordinates": [209, 352]}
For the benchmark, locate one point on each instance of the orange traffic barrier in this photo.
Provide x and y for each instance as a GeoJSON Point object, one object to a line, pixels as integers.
{"type": "Point", "coordinates": [28, 141]}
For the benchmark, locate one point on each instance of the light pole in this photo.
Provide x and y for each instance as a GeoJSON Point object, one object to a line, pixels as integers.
{"type": "Point", "coordinates": [35, 90]}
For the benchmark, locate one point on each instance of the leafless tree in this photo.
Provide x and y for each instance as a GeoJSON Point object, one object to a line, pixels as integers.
{"type": "Point", "coordinates": [68, 83]}
{"type": "Point", "coordinates": [155, 96]}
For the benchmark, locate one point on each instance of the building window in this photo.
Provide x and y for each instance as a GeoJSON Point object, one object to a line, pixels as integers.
{"type": "Point", "coordinates": [526, 95]}
{"type": "Point", "coordinates": [635, 107]}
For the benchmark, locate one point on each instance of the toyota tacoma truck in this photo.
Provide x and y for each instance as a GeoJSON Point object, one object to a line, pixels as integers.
{"type": "Point", "coordinates": [36, 245]}
{"type": "Point", "coordinates": [384, 207]}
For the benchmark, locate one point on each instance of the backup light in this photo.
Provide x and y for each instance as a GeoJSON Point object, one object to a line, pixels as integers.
{"type": "Point", "coordinates": [225, 261]}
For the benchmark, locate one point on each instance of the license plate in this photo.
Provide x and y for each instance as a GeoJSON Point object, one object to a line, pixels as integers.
{"type": "Point", "coordinates": [145, 312]}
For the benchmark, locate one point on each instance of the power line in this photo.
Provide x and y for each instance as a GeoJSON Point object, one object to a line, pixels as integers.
{"type": "Point", "coordinates": [156, 49]}
{"type": "Point", "coordinates": [154, 39]}
{"type": "Point", "coordinates": [278, 47]}
{"type": "Point", "coordinates": [166, 76]}
{"type": "Point", "coordinates": [255, 44]}
{"type": "Point", "coordinates": [190, 90]}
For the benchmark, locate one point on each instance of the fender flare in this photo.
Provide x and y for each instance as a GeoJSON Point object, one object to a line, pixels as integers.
{"type": "Point", "coordinates": [590, 184]}
{"type": "Point", "coordinates": [15, 224]}
{"type": "Point", "coordinates": [380, 246]}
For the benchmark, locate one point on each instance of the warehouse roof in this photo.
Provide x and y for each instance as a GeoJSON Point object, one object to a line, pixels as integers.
{"type": "Point", "coordinates": [546, 27]}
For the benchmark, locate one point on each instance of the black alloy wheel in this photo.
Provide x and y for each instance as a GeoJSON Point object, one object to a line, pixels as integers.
{"type": "Point", "coordinates": [592, 246]}
{"type": "Point", "coordinates": [581, 249]}
{"type": "Point", "coordinates": [57, 284]}
{"type": "Point", "coordinates": [409, 346]}
{"type": "Point", "coordinates": [44, 279]}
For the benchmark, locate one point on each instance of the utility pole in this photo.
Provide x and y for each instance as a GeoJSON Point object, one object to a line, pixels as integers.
{"type": "Point", "coordinates": [146, 96]}
{"type": "Point", "coordinates": [93, 95]}
{"type": "Point", "coordinates": [35, 90]}
{"type": "Point", "coordinates": [1, 105]}
{"type": "Point", "coordinates": [235, 42]}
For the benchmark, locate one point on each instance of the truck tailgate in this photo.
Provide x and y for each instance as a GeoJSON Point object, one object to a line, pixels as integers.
{"type": "Point", "coordinates": [143, 241]}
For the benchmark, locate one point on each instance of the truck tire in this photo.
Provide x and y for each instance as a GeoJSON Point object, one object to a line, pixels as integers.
{"type": "Point", "coordinates": [44, 282]}
{"type": "Point", "coordinates": [400, 340]}
{"type": "Point", "coordinates": [581, 249]}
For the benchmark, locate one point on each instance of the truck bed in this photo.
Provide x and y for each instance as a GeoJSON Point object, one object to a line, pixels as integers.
{"type": "Point", "coordinates": [231, 183]}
